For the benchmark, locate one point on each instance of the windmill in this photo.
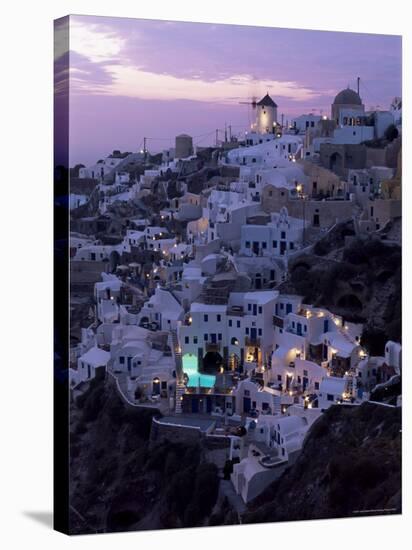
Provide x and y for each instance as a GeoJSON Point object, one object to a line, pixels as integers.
{"type": "Point", "coordinates": [251, 112]}
{"type": "Point", "coordinates": [253, 102]}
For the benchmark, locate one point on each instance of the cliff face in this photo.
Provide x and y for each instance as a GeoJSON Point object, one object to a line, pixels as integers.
{"type": "Point", "coordinates": [360, 281]}
{"type": "Point", "coordinates": [120, 481]}
{"type": "Point", "coordinates": [350, 466]}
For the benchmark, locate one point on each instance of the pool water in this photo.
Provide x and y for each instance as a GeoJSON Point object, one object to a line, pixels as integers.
{"type": "Point", "coordinates": [190, 367]}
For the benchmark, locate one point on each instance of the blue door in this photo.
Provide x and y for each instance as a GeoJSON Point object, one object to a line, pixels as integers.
{"type": "Point", "coordinates": [299, 329]}
{"type": "Point", "coordinates": [288, 308]}
{"type": "Point", "coordinates": [156, 386]}
{"type": "Point", "coordinates": [246, 404]}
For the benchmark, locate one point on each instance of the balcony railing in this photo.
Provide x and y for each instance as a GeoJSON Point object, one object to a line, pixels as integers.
{"type": "Point", "coordinates": [213, 346]}
{"type": "Point", "coordinates": [278, 321]}
{"type": "Point", "coordinates": [252, 341]}
{"type": "Point", "coordinates": [236, 311]}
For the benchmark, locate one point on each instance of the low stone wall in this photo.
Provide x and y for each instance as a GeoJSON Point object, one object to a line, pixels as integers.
{"type": "Point", "coordinates": [163, 432]}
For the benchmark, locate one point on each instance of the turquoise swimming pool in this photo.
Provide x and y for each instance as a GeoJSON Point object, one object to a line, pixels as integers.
{"type": "Point", "coordinates": [190, 367]}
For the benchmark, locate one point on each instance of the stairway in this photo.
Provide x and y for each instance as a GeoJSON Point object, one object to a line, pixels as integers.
{"type": "Point", "coordinates": [180, 390]}
{"type": "Point", "coordinates": [351, 385]}
{"type": "Point", "coordinates": [180, 386]}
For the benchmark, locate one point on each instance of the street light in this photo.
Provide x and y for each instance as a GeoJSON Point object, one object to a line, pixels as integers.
{"type": "Point", "coordinates": [299, 189]}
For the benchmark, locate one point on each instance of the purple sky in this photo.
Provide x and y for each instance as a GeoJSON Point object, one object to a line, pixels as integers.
{"type": "Point", "coordinates": [131, 78]}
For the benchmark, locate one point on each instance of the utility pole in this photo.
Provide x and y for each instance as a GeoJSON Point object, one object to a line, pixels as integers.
{"type": "Point", "coordinates": [144, 149]}
{"type": "Point", "coordinates": [225, 133]}
{"type": "Point", "coordinates": [358, 82]}
{"type": "Point", "coordinates": [304, 224]}
{"type": "Point", "coordinates": [217, 136]}
{"type": "Point", "coordinates": [230, 132]}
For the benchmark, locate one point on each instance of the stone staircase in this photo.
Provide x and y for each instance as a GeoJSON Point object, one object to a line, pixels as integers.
{"type": "Point", "coordinates": [177, 354]}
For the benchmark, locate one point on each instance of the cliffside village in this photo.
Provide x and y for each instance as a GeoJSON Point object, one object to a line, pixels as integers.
{"type": "Point", "coordinates": [177, 266]}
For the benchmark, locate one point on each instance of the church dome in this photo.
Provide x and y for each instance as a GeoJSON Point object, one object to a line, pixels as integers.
{"type": "Point", "coordinates": [347, 97]}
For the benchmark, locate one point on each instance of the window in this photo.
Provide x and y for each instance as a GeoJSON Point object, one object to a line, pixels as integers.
{"type": "Point", "coordinates": [260, 309]}
{"type": "Point", "coordinates": [230, 322]}
{"type": "Point", "coordinates": [264, 244]}
{"type": "Point", "coordinates": [195, 339]}
{"type": "Point", "coordinates": [247, 330]}
{"type": "Point", "coordinates": [329, 397]}
{"type": "Point", "coordinates": [279, 378]}
{"type": "Point", "coordinates": [316, 385]}
{"type": "Point", "coordinates": [305, 373]}
{"type": "Point", "coordinates": [186, 339]}
{"type": "Point", "coordinates": [275, 244]}
{"type": "Point", "coordinates": [283, 235]}
{"type": "Point", "coordinates": [205, 318]}
{"type": "Point", "coordinates": [219, 336]}
{"type": "Point", "coordinates": [219, 318]}
{"type": "Point", "coordinates": [249, 307]}
{"type": "Point", "coordinates": [247, 393]}
{"type": "Point", "coordinates": [238, 324]}
{"type": "Point", "coordinates": [205, 337]}
{"type": "Point", "coordinates": [121, 360]}
{"type": "Point", "coordinates": [247, 244]}
{"type": "Point", "coordinates": [291, 246]}
{"type": "Point", "coordinates": [260, 332]}
{"type": "Point", "coordinates": [164, 385]}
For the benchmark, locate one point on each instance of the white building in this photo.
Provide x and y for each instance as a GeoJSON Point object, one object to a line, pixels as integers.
{"type": "Point", "coordinates": [278, 238]}
{"type": "Point", "coordinates": [163, 309]}
{"type": "Point", "coordinates": [90, 362]}
{"type": "Point", "coordinates": [303, 123]}
{"type": "Point", "coordinates": [271, 154]}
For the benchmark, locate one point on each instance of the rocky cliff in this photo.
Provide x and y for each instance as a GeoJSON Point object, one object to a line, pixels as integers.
{"type": "Point", "coordinates": [350, 466]}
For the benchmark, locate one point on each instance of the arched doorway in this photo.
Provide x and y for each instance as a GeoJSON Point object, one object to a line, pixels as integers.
{"type": "Point", "coordinates": [234, 362]}
{"type": "Point", "coordinates": [156, 386]}
{"type": "Point", "coordinates": [212, 362]}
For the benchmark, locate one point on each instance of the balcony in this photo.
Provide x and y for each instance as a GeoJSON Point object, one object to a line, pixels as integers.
{"type": "Point", "coordinates": [252, 341]}
{"type": "Point", "coordinates": [278, 321]}
{"type": "Point", "coordinates": [236, 311]}
{"type": "Point", "coordinates": [213, 347]}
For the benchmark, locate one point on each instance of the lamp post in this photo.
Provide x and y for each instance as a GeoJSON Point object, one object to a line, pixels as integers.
{"type": "Point", "coordinates": [299, 189]}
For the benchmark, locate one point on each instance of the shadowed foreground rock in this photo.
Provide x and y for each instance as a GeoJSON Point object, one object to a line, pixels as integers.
{"type": "Point", "coordinates": [350, 466]}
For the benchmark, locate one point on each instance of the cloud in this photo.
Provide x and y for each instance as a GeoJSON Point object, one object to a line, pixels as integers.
{"type": "Point", "coordinates": [133, 82]}
{"type": "Point", "coordinates": [95, 41]}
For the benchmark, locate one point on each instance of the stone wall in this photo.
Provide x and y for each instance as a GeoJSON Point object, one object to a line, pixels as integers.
{"type": "Point", "coordinates": [324, 213]}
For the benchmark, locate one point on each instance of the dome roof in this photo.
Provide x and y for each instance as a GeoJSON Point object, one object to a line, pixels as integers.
{"type": "Point", "coordinates": [347, 97]}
